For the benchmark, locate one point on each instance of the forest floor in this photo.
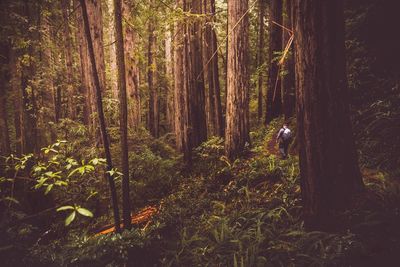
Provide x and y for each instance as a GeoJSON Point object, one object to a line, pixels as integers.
{"type": "Point", "coordinates": [245, 212]}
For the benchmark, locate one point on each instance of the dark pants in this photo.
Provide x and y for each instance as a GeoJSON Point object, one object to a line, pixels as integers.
{"type": "Point", "coordinates": [284, 147]}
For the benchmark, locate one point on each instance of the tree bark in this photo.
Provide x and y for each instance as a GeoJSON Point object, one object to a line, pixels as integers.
{"type": "Point", "coordinates": [169, 67]}
{"type": "Point", "coordinates": [181, 89]}
{"type": "Point", "coordinates": [237, 106]}
{"type": "Point", "coordinates": [330, 175]}
{"type": "Point", "coordinates": [103, 129]}
{"type": "Point", "coordinates": [112, 50]}
{"type": "Point", "coordinates": [29, 118]}
{"type": "Point", "coordinates": [288, 80]}
{"type": "Point", "coordinates": [274, 102]}
{"type": "Point", "coordinates": [260, 55]}
{"type": "Point", "coordinates": [17, 99]}
{"type": "Point", "coordinates": [197, 113]}
{"type": "Point", "coordinates": [85, 71]}
{"type": "Point", "coordinates": [96, 28]}
{"type": "Point", "coordinates": [211, 71]}
{"type": "Point", "coordinates": [5, 146]}
{"type": "Point", "coordinates": [190, 124]}
{"type": "Point", "coordinates": [132, 70]}
{"type": "Point", "coordinates": [123, 114]}
{"type": "Point", "coordinates": [151, 68]}
{"type": "Point", "coordinates": [68, 59]}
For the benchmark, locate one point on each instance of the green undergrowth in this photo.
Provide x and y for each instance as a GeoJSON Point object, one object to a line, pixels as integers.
{"type": "Point", "coordinates": [245, 212]}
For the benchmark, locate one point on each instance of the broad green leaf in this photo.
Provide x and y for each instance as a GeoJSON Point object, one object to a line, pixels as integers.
{"type": "Point", "coordinates": [70, 218]}
{"type": "Point", "coordinates": [65, 208]}
{"type": "Point", "coordinates": [85, 212]}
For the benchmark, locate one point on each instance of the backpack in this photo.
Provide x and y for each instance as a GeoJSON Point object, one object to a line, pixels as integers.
{"type": "Point", "coordinates": [287, 134]}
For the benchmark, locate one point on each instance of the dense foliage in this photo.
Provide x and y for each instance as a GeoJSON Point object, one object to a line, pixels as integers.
{"type": "Point", "coordinates": [55, 202]}
{"type": "Point", "coordinates": [241, 213]}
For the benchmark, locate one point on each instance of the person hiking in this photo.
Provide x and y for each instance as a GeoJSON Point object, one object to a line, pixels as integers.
{"type": "Point", "coordinates": [284, 137]}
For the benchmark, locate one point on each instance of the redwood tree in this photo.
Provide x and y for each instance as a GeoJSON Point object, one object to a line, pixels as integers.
{"type": "Point", "coordinates": [237, 104]}
{"type": "Point", "coordinates": [151, 67]}
{"type": "Point", "coordinates": [123, 114]}
{"type": "Point", "coordinates": [328, 160]}
{"type": "Point", "coordinates": [131, 66]}
{"type": "Point", "coordinates": [211, 71]}
{"type": "Point", "coordinates": [287, 84]}
{"type": "Point", "coordinates": [189, 97]}
{"type": "Point", "coordinates": [260, 54]}
{"type": "Point", "coordinates": [100, 113]}
{"type": "Point", "coordinates": [181, 109]}
{"type": "Point", "coordinates": [68, 58]}
{"type": "Point", "coordinates": [195, 76]}
{"type": "Point", "coordinates": [274, 103]}
{"type": "Point", "coordinates": [5, 147]}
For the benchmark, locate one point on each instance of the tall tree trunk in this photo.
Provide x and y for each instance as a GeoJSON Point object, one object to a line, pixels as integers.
{"type": "Point", "coordinates": [288, 80]}
{"type": "Point", "coordinates": [197, 113]}
{"type": "Point", "coordinates": [65, 4]}
{"type": "Point", "coordinates": [29, 121]}
{"type": "Point", "coordinates": [181, 89]}
{"type": "Point", "coordinates": [132, 69]}
{"type": "Point", "coordinates": [151, 67]}
{"type": "Point", "coordinates": [190, 127]}
{"type": "Point", "coordinates": [260, 55]}
{"type": "Point", "coordinates": [123, 114]}
{"type": "Point", "coordinates": [169, 68]}
{"type": "Point", "coordinates": [51, 96]}
{"type": "Point", "coordinates": [96, 28]}
{"type": "Point", "coordinates": [85, 71]}
{"type": "Point", "coordinates": [274, 102]}
{"type": "Point", "coordinates": [237, 106]}
{"type": "Point", "coordinates": [5, 147]}
{"type": "Point", "coordinates": [17, 99]}
{"type": "Point", "coordinates": [103, 129]}
{"type": "Point", "coordinates": [328, 160]}
{"type": "Point", "coordinates": [211, 71]}
{"type": "Point", "coordinates": [112, 50]}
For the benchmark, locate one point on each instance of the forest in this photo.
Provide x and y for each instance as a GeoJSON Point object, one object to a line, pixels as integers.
{"type": "Point", "coordinates": [199, 133]}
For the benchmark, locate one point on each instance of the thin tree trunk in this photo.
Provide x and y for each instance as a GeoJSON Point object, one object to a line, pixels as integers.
{"type": "Point", "coordinates": [123, 114]}
{"type": "Point", "coordinates": [329, 171]}
{"type": "Point", "coordinates": [52, 95]}
{"type": "Point", "coordinates": [170, 75]}
{"type": "Point", "coordinates": [260, 56]}
{"type": "Point", "coordinates": [68, 59]}
{"type": "Point", "coordinates": [5, 130]}
{"type": "Point", "coordinates": [151, 67]}
{"type": "Point", "coordinates": [288, 80]}
{"type": "Point", "coordinates": [95, 16]}
{"type": "Point", "coordinates": [17, 99]}
{"type": "Point", "coordinates": [237, 105]}
{"type": "Point", "coordinates": [29, 121]}
{"type": "Point", "coordinates": [85, 70]}
{"type": "Point", "coordinates": [274, 102]}
{"type": "Point", "coordinates": [112, 49]}
{"type": "Point", "coordinates": [211, 71]}
{"type": "Point", "coordinates": [103, 129]}
{"type": "Point", "coordinates": [5, 147]}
